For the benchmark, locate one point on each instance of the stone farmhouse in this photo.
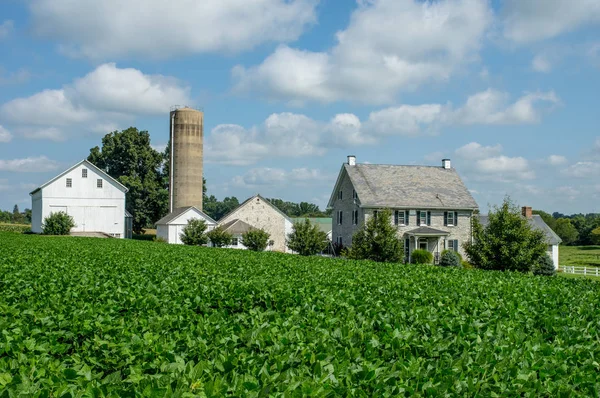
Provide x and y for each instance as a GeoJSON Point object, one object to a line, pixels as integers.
{"type": "Point", "coordinates": [431, 206]}
{"type": "Point", "coordinates": [257, 212]}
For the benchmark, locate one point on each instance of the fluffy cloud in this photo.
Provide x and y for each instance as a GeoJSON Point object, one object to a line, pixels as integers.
{"type": "Point", "coordinates": [583, 170]}
{"type": "Point", "coordinates": [295, 135]}
{"type": "Point", "coordinates": [5, 135]}
{"type": "Point", "coordinates": [112, 28]}
{"type": "Point", "coordinates": [266, 176]}
{"type": "Point", "coordinates": [29, 165]}
{"type": "Point", "coordinates": [557, 160]}
{"type": "Point", "coordinates": [97, 102]}
{"type": "Point", "coordinates": [534, 20]}
{"type": "Point", "coordinates": [6, 29]}
{"type": "Point", "coordinates": [476, 151]}
{"type": "Point", "coordinates": [388, 46]}
{"type": "Point", "coordinates": [504, 168]}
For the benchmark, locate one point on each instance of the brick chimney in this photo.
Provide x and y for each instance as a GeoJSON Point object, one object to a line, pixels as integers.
{"type": "Point", "coordinates": [527, 212]}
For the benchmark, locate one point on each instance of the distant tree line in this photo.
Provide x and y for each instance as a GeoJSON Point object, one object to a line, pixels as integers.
{"type": "Point", "coordinates": [15, 216]}
{"type": "Point", "coordinates": [576, 229]}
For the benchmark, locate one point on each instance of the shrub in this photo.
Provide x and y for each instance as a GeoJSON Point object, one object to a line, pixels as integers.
{"type": "Point", "coordinates": [467, 265]}
{"type": "Point", "coordinates": [193, 233]}
{"type": "Point", "coordinates": [508, 242]}
{"type": "Point", "coordinates": [158, 239]}
{"type": "Point", "coordinates": [219, 237]}
{"type": "Point", "coordinates": [545, 266]}
{"type": "Point", "coordinates": [450, 259]}
{"type": "Point", "coordinates": [59, 223]}
{"type": "Point", "coordinates": [421, 257]}
{"type": "Point", "coordinates": [307, 239]}
{"type": "Point", "coordinates": [256, 239]}
{"type": "Point", "coordinates": [377, 240]}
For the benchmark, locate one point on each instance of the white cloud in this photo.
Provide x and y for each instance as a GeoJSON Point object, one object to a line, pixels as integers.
{"type": "Point", "coordinates": [535, 20]}
{"type": "Point", "coordinates": [407, 119]}
{"type": "Point", "coordinates": [476, 151]}
{"type": "Point", "coordinates": [266, 176]}
{"type": "Point", "coordinates": [389, 46]}
{"type": "Point", "coordinates": [5, 135]}
{"type": "Point", "coordinates": [504, 168]}
{"type": "Point", "coordinates": [96, 103]}
{"type": "Point", "coordinates": [557, 160]}
{"type": "Point", "coordinates": [6, 28]}
{"type": "Point", "coordinates": [29, 165]}
{"type": "Point", "coordinates": [541, 63]}
{"type": "Point", "coordinates": [113, 28]}
{"type": "Point", "coordinates": [583, 170]}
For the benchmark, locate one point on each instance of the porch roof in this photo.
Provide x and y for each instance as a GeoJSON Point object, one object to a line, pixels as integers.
{"type": "Point", "coordinates": [427, 231]}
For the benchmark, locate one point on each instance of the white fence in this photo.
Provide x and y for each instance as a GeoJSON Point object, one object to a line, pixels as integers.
{"type": "Point", "coordinates": [571, 269]}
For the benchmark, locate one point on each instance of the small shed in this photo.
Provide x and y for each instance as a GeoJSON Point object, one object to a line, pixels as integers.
{"type": "Point", "coordinates": [171, 226]}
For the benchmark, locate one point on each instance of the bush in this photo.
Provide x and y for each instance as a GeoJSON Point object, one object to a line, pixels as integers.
{"type": "Point", "coordinates": [158, 239]}
{"type": "Point", "coordinates": [219, 237]}
{"type": "Point", "coordinates": [256, 239]}
{"type": "Point", "coordinates": [377, 240]}
{"type": "Point", "coordinates": [450, 259]}
{"type": "Point", "coordinates": [545, 266]}
{"type": "Point", "coordinates": [421, 257]}
{"type": "Point", "coordinates": [193, 233]}
{"type": "Point", "coordinates": [307, 239]}
{"type": "Point", "coordinates": [59, 223]}
{"type": "Point", "coordinates": [467, 265]}
{"type": "Point", "coordinates": [507, 242]}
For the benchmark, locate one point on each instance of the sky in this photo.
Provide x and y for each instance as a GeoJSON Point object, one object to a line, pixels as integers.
{"type": "Point", "coordinates": [507, 89]}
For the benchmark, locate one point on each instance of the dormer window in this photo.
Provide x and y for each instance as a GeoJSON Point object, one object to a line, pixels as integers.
{"type": "Point", "coordinates": [69, 182]}
{"type": "Point", "coordinates": [83, 173]}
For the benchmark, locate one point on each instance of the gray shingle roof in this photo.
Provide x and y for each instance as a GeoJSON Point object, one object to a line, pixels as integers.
{"type": "Point", "coordinates": [237, 227]}
{"type": "Point", "coordinates": [536, 222]}
{"type": "Point", "coordinates": [179, 211]}
{"type": "Point", "coordinates": [428, 231]}
{"type": "Point", "coordinates": [409, 186]}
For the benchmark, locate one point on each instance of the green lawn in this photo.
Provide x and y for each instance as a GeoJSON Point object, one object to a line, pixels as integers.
{"type": "Point", "coordinates": [580, 256]}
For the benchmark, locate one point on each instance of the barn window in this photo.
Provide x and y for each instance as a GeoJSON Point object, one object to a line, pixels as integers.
{"type": "Point", "coordinates": [99, 183]}
{"type": "Point", "coordinates": [69, 182]}
{"type": "Point", "coordinates": [83, 173]}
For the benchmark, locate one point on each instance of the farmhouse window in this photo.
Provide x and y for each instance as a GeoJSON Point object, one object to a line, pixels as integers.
{"type": "Point", "coordinates": [69, 182]}
{"type": "Point", "coordinates": [354, 195]}
{"type": "Point", "coordinates": [354, 217]}
{"type": "Point", "coordinates": [339, 217]}
{"type": "Point", "coordinates": [401, 217]}
{"type": "Point", "coordinates": [451, 218]}
{"type": "Point", "coordinates": [340, 195]}
{"type": "Point", "coordinates": [83, 173]}
{"type": "Point", "coordinates": [453, 245]}
{"type": "Point", "coordinates": [234, 242]}
{"type": "Point", "coordinates": [375, 214]}
{"type": "Point", "coordinates": [424, 218]}
{"type": "Point", "coordinates": [99, 183]}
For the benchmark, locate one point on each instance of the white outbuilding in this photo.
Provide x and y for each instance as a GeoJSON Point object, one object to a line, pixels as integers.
{"type": "Point", "coordinates": [171, 226]}
{"type": "Point", "coordinates": [95, 200]}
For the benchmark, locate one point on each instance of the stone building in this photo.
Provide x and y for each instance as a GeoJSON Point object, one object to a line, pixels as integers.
{"type": "Point", "coordinates": [431, 206]}
{"type": "Point", "coordinates": [259, 213]}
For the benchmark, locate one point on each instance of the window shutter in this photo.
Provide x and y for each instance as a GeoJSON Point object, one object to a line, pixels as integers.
{"type": "Point", "coordinates": [406, 217]}
{"type": "Point", "coordinates": [455, 218]}
{"type": "Point", "coordinates": [341, 218]}
{"type": "Point", "coordinates": [446, 218]}
{"type": "Point", "coordinates": [428, 218]}
{"type": "Point", "coordinates": [396, 217]}
{"type": "Point", "coordinates": [456, 245]}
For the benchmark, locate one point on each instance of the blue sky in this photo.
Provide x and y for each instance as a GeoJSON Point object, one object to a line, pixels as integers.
{"type": "Point", "coordinates": [507, 89]}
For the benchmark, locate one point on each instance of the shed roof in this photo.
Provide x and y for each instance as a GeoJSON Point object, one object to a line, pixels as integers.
{"type": "Point", "coordinates": [536, 222]}
{"type": "Point", "coordinates": [237, 227]}
{"type": "Point", "coordinates": [398, 186]}
{"type": "Point", "coordinates": [179, 211]}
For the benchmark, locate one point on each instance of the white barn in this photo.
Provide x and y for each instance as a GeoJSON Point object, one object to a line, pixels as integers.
{"type": "Point", "coordinates": [171, 226]}
{"type": "Point", "coordinates": [95, 200]}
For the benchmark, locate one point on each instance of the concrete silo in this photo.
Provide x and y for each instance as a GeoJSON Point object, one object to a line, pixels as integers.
{"type": "Point", "coordinates": [187, 137]}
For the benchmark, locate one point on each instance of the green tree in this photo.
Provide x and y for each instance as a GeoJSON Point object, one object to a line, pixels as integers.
{"type": "Point", "coordinates": [58, 223]}
{"type": "Point", "coordinates": [566, 230]}
{"type": "Point", "coordinates": [194, 233]}
{"type": "Point", "coordinates": [596, 236]}
{"type": "Point", "coordinates": [219, 237]}
{"type": "Point", "coordinates": [307, 239]}
{"type": "Point", "coordinates": [256, 239]}
{"type": "Point", "coordinates": [545, 266]}
{"type": "Point", "coordinates": [507, 243]}
{"type": "Point", "coordinates": [128, 157]}
{"type": "Point", "coordinates": [450, 258]}
{"type": "Point", "coordinates": [377, 240]}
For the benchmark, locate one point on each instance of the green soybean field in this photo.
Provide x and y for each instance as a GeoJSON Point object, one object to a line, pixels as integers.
{"type": "Point", "coordinates": [85, 317]}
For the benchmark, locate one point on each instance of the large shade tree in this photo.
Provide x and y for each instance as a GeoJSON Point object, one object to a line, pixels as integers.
{"type": "Point", "coordinates": [128, 157]}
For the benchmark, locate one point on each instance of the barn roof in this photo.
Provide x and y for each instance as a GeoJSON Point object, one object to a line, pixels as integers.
{"type": "Point", "coordinates": [179, 211]}
{"type": "Point", "coordinates": [89, 165]}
